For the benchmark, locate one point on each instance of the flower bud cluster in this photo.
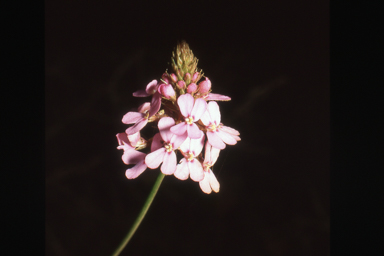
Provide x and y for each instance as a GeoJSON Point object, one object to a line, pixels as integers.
{"type": "Point", "coordinates": [188, 119]}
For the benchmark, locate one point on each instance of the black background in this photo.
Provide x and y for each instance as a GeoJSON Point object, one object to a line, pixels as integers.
{"type": "Point", "coordinates": [270, 57]}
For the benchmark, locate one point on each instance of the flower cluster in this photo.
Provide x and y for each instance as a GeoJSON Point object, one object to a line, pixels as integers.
{"type": "Point", "coordinates": [188, 118]}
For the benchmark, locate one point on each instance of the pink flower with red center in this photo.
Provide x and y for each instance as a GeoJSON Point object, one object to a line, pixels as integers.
{"type": "Point", "coordinates": [131, 156]}
{"type": "Point", "coordinates": [218, 135]}
{"type": "Point", "coordinates": [192, 111]}
{"type": "Point", "coordinates": [209, 182]}
{"type": "Point", "coordinates": [190, 165]}
{"type": "Point", "coordinates": [164, 154]}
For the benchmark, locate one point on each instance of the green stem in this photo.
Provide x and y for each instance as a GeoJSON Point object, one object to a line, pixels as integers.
{"type": "Point", "coordinates": [141, 215]}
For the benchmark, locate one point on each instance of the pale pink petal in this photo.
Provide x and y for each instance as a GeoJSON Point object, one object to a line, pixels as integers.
{"type": "Point", "coordinates": [169, 163]}
{"type": "Point", "coordinates": [132, 117]}
{"type": "Point", "coordinates": [182, 171]}
{"type": "Point", "coordinates": [177, 140]}
{"type": "Point", "coordinates": [151, 87]}
{"type": "Point", "coordinates": [156, 142]}
{"type": "Point", "coordinates": [198, 109]}
{"type": "Point", "coordinates": [144, 107]}
{"type": "Point", "coordinates": [185, 145]}
{"type": "Point", "coordinates": [214, 155]}
{"type": "Point", "coordinates": [137, 126]}
{"type": "Point", "coordinates": [214, 96]}
{"type": "Point", "coordinates": [140, 93]}
{"type": "Point", "coordinates": [165, 125]}
{"type": "Point", "coordinates": [134, 138]}
{"type": "Point", "coordinates": [193, 131]}
{"type": "Point", "coordinates": [207, 155]}
{"type": "Point", "coordinates": [196, 145]}
{"type": "Point", "coordinates": [215, 140]}
{"type": "Point", "coordinates": [185, 103]}
{"type": "Point", "coordinates": [179, 129]}
{"type": "Point", "coordinates": [154, 159]}
{"type": "Point", "coordinates": [122, 137]}
{"type": "Point", "coordinates": [195, 170]}
{"type": "Point", "coordinates": [237, 138]}
{"type": "Point", "coordinates": [155, 104]}
{"type": "Point", "coordinates": [132, 156]}
{"type": "Point", "coordinates": [204, 184]}
{"type": "Point", "coordinates": [229, 130]}
{"type": "Point", "coordinates": [206, 118]}
{"type": "Point", "coordinates": [135, 171]}
{"type": "Point", "coordinates": [213, 181]}
{"type": "Point", "coordinates": [226, 137]}
{"type": "Point", "coordinates": [214, 111]}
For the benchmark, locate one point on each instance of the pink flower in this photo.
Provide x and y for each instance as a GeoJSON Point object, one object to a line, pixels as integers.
{"type": "Point", "coordinates": [209, 182]}
{"type": "Point", "coordinates": [167, 91]}
{"type": "Point", "coordinates": [131, 156]}
{"type": "Point", "coordinates": [151, 89]}
{"type": "Point", "coordinates": [218, 135]}
{"type": "Point", "coordinates": [166, 154]}
{"type": "Point", "coordinates": [204, 86]}
{"type": "Point", "coordinates": [192, 111]}
{"type": "Point", "coordinates": [139, 119]}
{"type": "Point", "coordinates": [190, 165]}
{"type": "Point", "coordinates": [215, 96]}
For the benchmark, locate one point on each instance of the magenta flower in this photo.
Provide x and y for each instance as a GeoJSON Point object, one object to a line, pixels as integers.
{"type": "Point", "coordinates": [165, 154]}
{"type": "Point", "coordinates": [209, 182]}
{"type": "Point", "coordinates": [192, 111]}
{"type": "Point", "coordinates": [217, 136]}
{"type": "Point", "coordinates": [131, 156]}
{"type": "Point", "coordinates": [190, 165]}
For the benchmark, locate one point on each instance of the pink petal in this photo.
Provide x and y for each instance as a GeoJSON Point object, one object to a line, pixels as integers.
{"type": "Point", "coordinates": [165, 125]}
{"type": "Point", "coordinates": [204, 184]}
{"type": "Point", "coordinates": [214, 111]}
{"type": "Point", "coordinates": [213, 181]}
{"type": "Point", "coordinates": [144, 107]}
{"type": "Point", "coordinates": [226, 137]}
{"type": "Point", "coordinates": [132, 117]}
{"type": "Point", "coordinates": [182, 171]}
{"type": "Point", "coordinates": [229, 130]}
{"type": "Point", "coordinates": [154, 159]}
{"type": "Point", "coordinates": [151, 87]}
{"type": "Point", "coordinates": [206, 118]}
{"type": "Point", "coordinates": [156, 142]}
{"type": "Point", "coordinates": [179, 129]}
{"type": "Point", "coordinates": [196, 145]}
{"type": "Point", "coordinates": [193, 131]}
{"type": "Point", "coordinates": [177, 140]}
{"type": "Point", "coordinates": [134, 138]}
{"type": "Point", "coordinates": [185, 103]}
{"type": "Point", "coordinates": [207, 155]}
{"type": "Point", "coordinates": [137, 126]}
{"type": "Point", "coordinates": [155, 104]}
{"type": "Point", "coordinates": [140, 93]}
{"type": "Point", "coordinates": [132, 156]}
{"type": "Point", "coordinates": [135, 171]}
{"type": "Point", "coordinates": [215, 140]}
{"type": "Point", "coordinates": [185, 145]}
{"type": "Point", "coordinates": [214, 96]}
{"type": "Point", "coordinates": [198, 109]}
{"type": "Point", "coordinates": [169, 163]}
{"type": "Point", "coordinates": [214, 155]}
{"type": "Point", "coordinates": [122, 137]}
{"type": "Point", "coordinates": [195, 170]}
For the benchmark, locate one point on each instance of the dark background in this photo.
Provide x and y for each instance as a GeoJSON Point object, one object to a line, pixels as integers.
{"type": "Point", "coordinates": [271, 57]}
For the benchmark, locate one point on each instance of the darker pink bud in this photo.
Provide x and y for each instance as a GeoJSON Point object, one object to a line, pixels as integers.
{"type": "Point", "coordinates": [167, 91]}
{"type": "Point", "coordinates": [181, 84]}
{"type": "Point", "coordinates": [165, 77]}
{"type": "Point", "coordinates": [205, 86]}
{"type": "Point", "coordinates": [187, 78]}
{"type": "Point", "coordinates": [173, 77]}
{"type": "Point", "coordinates": [195, 77]}
{"type": "Point", "coordinates": [192, 88]}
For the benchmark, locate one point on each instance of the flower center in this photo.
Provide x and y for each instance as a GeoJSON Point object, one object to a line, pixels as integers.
{"type": "Point", "coordinates": [212, 127]}
{"type": "Point", "coordinates": [189, 120]}
{"type": "Point", "coordinates": [190, 157]}
{"type": "Point", "coordinates": [168, 147]}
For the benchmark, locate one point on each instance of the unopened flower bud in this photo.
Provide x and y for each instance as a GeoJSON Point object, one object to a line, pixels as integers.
{"type": "Point", "coordinates": [195, 77]}
{"type": "Point", "coordinates": [165, 78]}
{"type": "Point", "coordinates": [187, 78]}
{"type": "Point", "coordinates": [181, 84]}
{"type": "Point", "coordinates": [173, 77]}
{"type": "Point", "coordinates": [167, 91]}
{"type": "Point", "coordinates": [204, 86]}
{"type": "Point", "coordinates": [192, 88]}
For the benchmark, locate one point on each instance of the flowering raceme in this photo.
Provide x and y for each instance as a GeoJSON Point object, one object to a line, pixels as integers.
{"type": "Point", "coordinates": [188, 118]}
